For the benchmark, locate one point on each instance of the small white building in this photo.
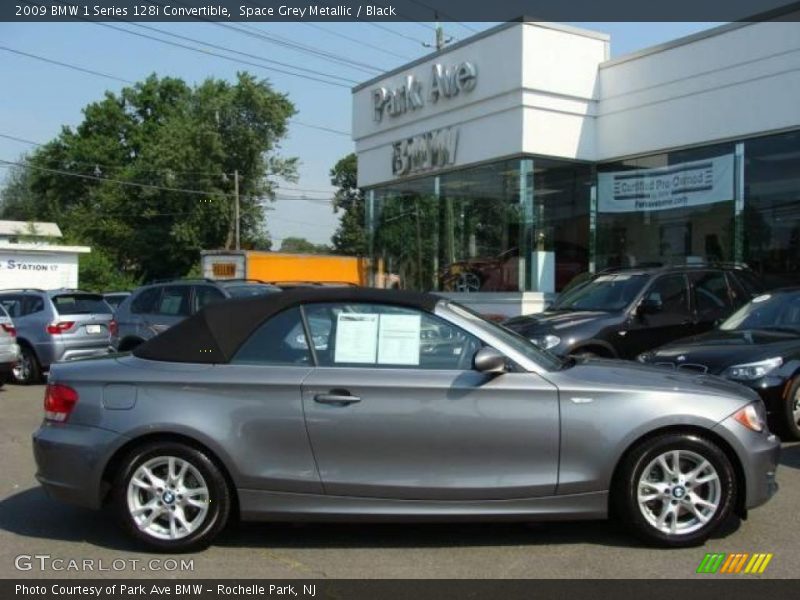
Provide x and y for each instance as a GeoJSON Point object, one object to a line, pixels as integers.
{"type": "Point", "coordinates": [30, 259]}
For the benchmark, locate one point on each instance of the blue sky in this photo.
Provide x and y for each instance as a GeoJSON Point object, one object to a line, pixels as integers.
{"type": "Point", "coordinates": [38, 98]}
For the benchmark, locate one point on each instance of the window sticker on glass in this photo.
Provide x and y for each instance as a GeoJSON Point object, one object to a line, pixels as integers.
{"type": "Point", "coordinates": [356, 338]}
{"type": "Point", "coordinates": [398, 339]}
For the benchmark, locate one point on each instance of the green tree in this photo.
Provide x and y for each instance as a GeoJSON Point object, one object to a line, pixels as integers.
{"type": "Point", "coordinates": [160, 137]}
{"type": "Point", "coordinates": [298, 245]}
{"type": "Point", "coordinates": [351, 236]}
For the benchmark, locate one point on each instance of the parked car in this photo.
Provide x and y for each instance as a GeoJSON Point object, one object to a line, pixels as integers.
{"type": "Point", "coordinates": [758, 346]}
{"type": "Point", "coordinates": [623, 312]}
{"type": "Point", "coordinates": [114, 299]}
{"type": "Point", "coordinates": [223, 414]}
{"type": "Point", "coordinates": [55, 325]}
{"type": "Point", "coordinates": [9, 349]}
{"type": "Point", "coordinates": [154, 308]}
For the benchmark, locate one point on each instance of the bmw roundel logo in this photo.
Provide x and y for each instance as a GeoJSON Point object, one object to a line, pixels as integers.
{"type": "Point", "coordinates": [681, 358]}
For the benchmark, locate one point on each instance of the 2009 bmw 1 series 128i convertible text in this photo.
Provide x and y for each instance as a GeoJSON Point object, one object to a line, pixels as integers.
{"type": "Point", "coordinates": [361, 404]}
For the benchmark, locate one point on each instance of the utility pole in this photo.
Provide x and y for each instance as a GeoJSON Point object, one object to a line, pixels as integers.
{"type": "Point", "coordinates": [441, 41]}
{"type": "Point", "coordinates": [236, 205]}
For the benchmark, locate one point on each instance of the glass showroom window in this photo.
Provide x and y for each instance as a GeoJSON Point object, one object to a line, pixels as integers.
{"type": "Point", "coordinates": [668, 208]}
{"type": "Point", "coordinates": [772, 207]}
{"type": "Point", "coordinates": [479, 229]}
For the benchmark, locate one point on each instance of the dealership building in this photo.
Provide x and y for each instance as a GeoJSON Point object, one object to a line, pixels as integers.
{"type": "Point", "coordinates": [504, 166]}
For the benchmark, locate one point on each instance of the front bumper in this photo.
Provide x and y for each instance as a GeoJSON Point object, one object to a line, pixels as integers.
{"type": "Point", "coordinates": [70, 460]}
{"type": "Point", "coordinates": [758, 455]}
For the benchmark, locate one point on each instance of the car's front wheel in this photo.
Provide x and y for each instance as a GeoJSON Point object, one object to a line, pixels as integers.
{"type": "Point", "coordinates": [790, 425]}
{"type": "Point", "coordinates": [675, 489]}
{"type": "Point", "coordinates": [172, 497]}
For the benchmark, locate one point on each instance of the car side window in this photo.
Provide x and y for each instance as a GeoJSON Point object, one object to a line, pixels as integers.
{"type": "Point", "coordinates": [671, 294]}
{"type": "Point", "coordinates": [174, 301]}
{"type": "Point", "coordinates": [145, 302]}
{"type": "Point", "coordinates": [13, 305]}
{"type": "Point", "coordinates": [384, 336]}
{"type": "Point", "coordinates": [711, 295]}
{"type": "Point", "coordinates": [204, 295]}
{"type": "Point", "coordinates": [279, 341]}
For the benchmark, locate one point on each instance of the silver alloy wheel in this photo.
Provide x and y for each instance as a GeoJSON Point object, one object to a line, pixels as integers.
{"type": "Point", "coordinates": [168, 498]}
{"type": "Point", "coordinates": [679, 492]}
{"type": "Point", "coordinates": [468, 282]}
{"type": "Point", "coordinates": [22, 369]}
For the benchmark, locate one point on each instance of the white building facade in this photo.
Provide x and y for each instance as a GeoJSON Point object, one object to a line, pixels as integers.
{"type": "Point", "coordinates": [505, 166]}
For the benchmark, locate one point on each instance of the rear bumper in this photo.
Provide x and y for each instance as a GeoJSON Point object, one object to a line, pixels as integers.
{"type": "Point", "coordinates": [9, 356]}
{"type": "Point", "coordinates": [57, 350]}
{"type": "Point", "coordinates": [70, 460]}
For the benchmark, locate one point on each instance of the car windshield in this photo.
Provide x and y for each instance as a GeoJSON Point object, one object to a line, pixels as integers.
{"type": "Point", "coordinates": [519, 343]}
{"type": "Point", "coordinates": [251, 289]}
{"type": "Point", "coordinates": [769, 311]}
{"type": "Point", "coordinates": [610, 292]}
{"type": "Point", "coordinates": [81, 304]}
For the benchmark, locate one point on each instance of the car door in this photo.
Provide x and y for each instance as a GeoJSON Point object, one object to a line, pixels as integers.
{"type": "Point", "coordinates": [263, 415]}
{"type": "Point", "coordinates": [395, 410]}
{"type": "Point", "coordinates": [173, 306]}
{"type": "Point", "coordinates": [662, 315]}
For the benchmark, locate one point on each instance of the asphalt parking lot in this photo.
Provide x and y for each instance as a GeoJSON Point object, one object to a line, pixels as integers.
{"type": "Point", "coordinates": [32, 525]}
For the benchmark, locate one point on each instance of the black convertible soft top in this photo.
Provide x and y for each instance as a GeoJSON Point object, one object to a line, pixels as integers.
{"type": "Point", "coordinates": [214, 334]}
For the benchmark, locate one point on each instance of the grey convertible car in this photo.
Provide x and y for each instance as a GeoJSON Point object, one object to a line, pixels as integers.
{"type": "Point", "coordinates": [339, 404]}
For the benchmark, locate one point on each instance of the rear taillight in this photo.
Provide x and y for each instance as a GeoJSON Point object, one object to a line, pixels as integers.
{"type": "Point", "coordinates": [112, 327]}
{"type": "Point", "coordinates": [60, 327]}
{"type": "Point", "coordinates": [59, 400]}
{"type": "Point", "coordinates": [10, 329]}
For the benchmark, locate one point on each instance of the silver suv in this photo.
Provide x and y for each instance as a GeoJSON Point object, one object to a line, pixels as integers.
{"type": "Point", "coordinates": [9, 350]}
{"type": "Point", "coordinates": [55, 325]}
{"type": "Point", "coordinates": [153, 308]}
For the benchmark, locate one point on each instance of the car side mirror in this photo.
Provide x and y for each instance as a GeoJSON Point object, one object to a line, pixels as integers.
{"type": "Point", "coordinates": [650, 306]}
{"type": "Point", "coordinates": [489, 360]}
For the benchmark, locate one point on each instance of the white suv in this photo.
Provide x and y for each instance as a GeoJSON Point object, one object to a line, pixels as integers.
{"type": "Point", "coordinates": [9, 350]}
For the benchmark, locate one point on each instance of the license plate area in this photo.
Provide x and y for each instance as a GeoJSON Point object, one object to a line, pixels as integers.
{"type": "Point", "coordinates": [94, 329]}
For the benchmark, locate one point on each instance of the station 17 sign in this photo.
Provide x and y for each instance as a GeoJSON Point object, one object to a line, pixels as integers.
{"type": "Point", "coordinates": [676, 186]}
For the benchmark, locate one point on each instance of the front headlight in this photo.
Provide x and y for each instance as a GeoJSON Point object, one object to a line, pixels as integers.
{"type": "Point", "coordinates": [752, 416]}
{"type": "Point", "coordinates": [754, 370]}
{"type": "Point", "coordinates": [547, 341]}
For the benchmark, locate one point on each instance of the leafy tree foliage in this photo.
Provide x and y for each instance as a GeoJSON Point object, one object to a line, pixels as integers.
{"type": "Point", "coordinates": [298, 245]}
{"type": "Point", "coordinates": [161, 133]}
{"type": "Point", "coordinates": [350, 238]}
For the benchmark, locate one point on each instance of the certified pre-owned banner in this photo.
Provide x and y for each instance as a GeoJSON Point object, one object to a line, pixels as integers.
{"type": "Point", "coordinates": [676, 186]}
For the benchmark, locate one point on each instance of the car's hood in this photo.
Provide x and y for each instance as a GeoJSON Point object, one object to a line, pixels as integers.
{"type": "Point", "coordinates": [554, 321]}
{"type": "Point", "coordinates": [621, 374]}
{"type": "Point", "coordinates": [718, 349]}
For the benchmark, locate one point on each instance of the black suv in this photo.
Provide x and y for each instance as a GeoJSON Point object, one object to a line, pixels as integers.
{"type": "Point", "coordinates": [622, 312]}
{"type": "Point", "coordinates": [153, 308]}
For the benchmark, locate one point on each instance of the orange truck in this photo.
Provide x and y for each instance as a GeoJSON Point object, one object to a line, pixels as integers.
{"type": "Point", "coordinates": [280, 267]}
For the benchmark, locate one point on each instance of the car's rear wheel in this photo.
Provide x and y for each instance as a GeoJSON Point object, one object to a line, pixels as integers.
{"type": "Point", "coordinates": [675, 489]}
{"type": "Point", "coordinates": [790, 417]}
{"type": "Point", "coordinates": [172, 497]}
{"type": "Point", "coordinates": [27, 369]}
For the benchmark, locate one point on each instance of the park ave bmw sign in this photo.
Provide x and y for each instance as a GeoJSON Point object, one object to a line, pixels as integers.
{"type": "Point", "coordinates": [445, 82]}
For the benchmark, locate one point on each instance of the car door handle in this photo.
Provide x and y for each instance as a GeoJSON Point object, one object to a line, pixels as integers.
{"type": "Point", "coordinates": [338, 399]}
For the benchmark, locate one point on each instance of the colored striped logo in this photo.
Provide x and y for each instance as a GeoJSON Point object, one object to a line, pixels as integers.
{"type": "Point", "coordinates": [738, 562]}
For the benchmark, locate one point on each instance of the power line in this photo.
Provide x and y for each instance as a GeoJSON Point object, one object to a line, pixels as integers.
{"type": "Point", "coordinates": [63, 64]}
{"type": "Point", "coordinates": [397, 33]}
{"type": "Point", "coordinates": [436, 12]}
{"type": "Point", "coordinates": [357, 41]}
{"type": "Point", "coordinates": [232, 51]}
{"type": "Point", "coordinates": [120, 79]}
{"type": "Point", "coordinates": [253, 31]}
{"type": "Point", "coordinates": [228, 58]}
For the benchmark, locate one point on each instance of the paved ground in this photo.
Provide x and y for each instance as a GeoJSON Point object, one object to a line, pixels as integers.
{"type": "Point", "coordinates": [32, 524]}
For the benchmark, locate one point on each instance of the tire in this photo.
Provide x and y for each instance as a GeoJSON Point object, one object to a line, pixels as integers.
{"type": "Point", "coordinates": [27, 371]}
{"type": "Point", "coordinates": [642, 468]}
{"type": "Point", "coordinates": [153, 517]}
{"type": "Point", "coordinates": [789, 424]}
